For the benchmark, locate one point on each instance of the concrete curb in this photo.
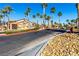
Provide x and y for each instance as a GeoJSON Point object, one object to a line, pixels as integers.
{"type": "Point", "coordinates": [38, 54]}
{"type": "Point", "coordinates": [3, 35]}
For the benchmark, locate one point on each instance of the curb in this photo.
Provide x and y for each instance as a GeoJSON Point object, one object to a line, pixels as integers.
{"type": "Point", "coordinates": [3, 35]}
{"type": "Point", "coordinates": [38, 54]}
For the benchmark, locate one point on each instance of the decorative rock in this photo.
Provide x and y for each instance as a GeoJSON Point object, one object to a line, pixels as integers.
{"type": "Point", "coordinates": [62, 45]}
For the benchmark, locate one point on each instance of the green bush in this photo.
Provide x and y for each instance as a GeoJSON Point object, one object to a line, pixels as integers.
{"type": "Point", "coordinates": [15, 31]}
{"type": "Point", "coordinates": [37, 27]}
{"type": "Point", "coordinates": [8, 32]}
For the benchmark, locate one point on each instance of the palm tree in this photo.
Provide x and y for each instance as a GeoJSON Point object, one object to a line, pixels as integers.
{"type": "Point", "coordinates": [41, 18]}
{"type": "Point", "coordinates": [52, 11]}
{"type": "Point", "coordinates": [28, 10]}
{"type": "Point", "coordinates": [45, 16]}
{"type": "Point", "coordinates": [77, 21]}
{"type": "Point", "coordinates": [1, 16]}
{"type": "Point", "coordinates": [26, 14]}
{"type": "Point", "coordinates": [44, 6]}
{"type": "Point", "coordinates": [52, 22]}
{"type": "Point", "coordinates": [67, 21]}
{"type": "Point", "coordinates": [59, 14]}
{"type": "Point", "coordinates": [38, 15]}
{"type": "Point", "coordinates": [48, 19]}
{"type": "Point", "coordinates": [34, 16]}
{"type": "Point", "coordinates": [6, 11]}
{"type": "Point", "coordinates": [3, 11]}
{"type": "Point", "coordinates": [77, 7]}
{"type": "Point", "coordinates": [72, 21]}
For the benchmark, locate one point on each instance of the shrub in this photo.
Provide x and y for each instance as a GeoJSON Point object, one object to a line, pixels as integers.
{"type": "Point", "coordinates": [37, 27]}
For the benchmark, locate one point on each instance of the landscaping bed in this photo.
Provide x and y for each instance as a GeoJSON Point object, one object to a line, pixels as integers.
{"type": "Point", "coordinates": [66, 44]}
{"type": "Point", "coordinates": [16, 31]}
{"type": "Point", "coordinates": [76, 30]}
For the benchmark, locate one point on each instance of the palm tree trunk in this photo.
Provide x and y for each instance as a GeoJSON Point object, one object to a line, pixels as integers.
{"type": "Point", "coordinates": [3, 23]}
{"type": "Point", "coordinates": [78, 19]}
{"type": "Point", "coordinates": [0, 21]}
{"type": "Point", "coordinates": [8, 23]}
{"type": "Point", "coordinates": [52, 18]}
{"type": "Point", "coordinates": [59, 21]}
{"type": "Point", "coordinates": [37, 21]}
{"type": "Point", "coordinates": [44, 10]}
{"type": "Point", "coordinates": [43, 21]}
{"type": "Point", "coordinates": [28, 17]}
{"type": "Point", "coordinates": [48, 23]}
{"type": "Point", "coordinates": [43, 15]}
{"type": "Point", "coordinates": [78, 14]}
{"type": "Point", "coordinates": [77, 24]}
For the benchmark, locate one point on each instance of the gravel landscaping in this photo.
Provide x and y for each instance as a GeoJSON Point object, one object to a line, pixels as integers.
{"type": "Point", "coordinates": [66, 44]}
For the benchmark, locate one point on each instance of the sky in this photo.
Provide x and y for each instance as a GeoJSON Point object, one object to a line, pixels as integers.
{"type": "Point", "coordinates": [68, 10]}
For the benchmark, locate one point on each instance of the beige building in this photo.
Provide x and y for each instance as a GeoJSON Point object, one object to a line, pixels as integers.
{"type": "Point", "coordinates": [1, 27]}
{"type": "Point", "coordinates": [22, 24]}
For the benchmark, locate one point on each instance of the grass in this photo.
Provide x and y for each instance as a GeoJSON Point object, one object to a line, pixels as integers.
{"type": "Point", "coordinates": [17, 31]}
{"type": "Point", "coordinates": [14, 31]}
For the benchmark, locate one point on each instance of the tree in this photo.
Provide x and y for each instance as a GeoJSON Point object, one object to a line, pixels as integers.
{"type": "Point", "coordinates": [44, 6]}
{"type": "Point", "coordinates": [6, 11]}
{"type": "Point", "coordinates": [77, 20]}
{"type": "Point", "coordinates": [72, 21]}
{"type": "Point", "coordinates": [26, 14]}
{"type": "Point", "coordinates": [59, 14]}
{"type": "Point", "coordinates": [1, 16]}
{"type": "Point", "coordinates": [28, 10]}
{"type": "Point", "coordinates": [44, 18]}
{"type": "Point", "coordinates": [48, 19]}
{"type": "Point", "coordinates": [3, 11]}
{"type": "Point", "coordinates": [52, 11]}
{"type": "Point", "coordinates": [41, 18]}
{"type": "Point", "coordinates": [38, 15]}
{"type": "Point", "coordinates": [65, 26]}
{"type": "Point", "coordinates": [67, 21]}
{"type": "Point", "coordinates": [52, 22]}
{"type": "Point", "coordinates": [34, 16]}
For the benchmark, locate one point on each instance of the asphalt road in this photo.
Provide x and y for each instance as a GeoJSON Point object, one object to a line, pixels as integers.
{"type": "Point", "coordinates": [16, 44]}
{"type": "Point", "coordinates": [33, 51]}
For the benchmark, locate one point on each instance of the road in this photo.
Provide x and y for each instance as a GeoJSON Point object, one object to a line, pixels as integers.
{"type": "Point", "coordinates": [17, 44]}
{"type": "Point", "coordinates": [33, 51]}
